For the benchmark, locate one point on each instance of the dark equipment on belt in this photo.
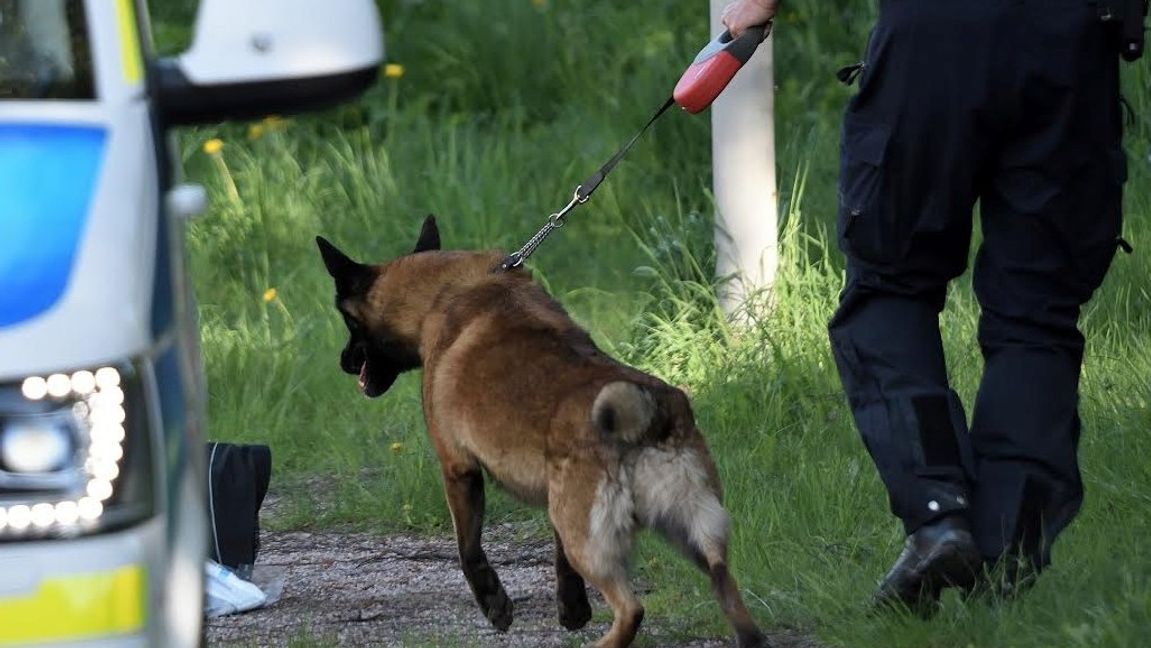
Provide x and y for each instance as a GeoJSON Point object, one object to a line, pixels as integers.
{"type": "Point", "coordinates": [1129, 16]}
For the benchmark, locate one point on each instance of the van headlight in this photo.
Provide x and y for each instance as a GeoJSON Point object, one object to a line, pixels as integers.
{"type": "Point", "coordinates": [74, 454]}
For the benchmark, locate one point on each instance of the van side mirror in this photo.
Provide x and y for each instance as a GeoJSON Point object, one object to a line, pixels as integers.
{"type": "Point", "coordinates": [251, 58]}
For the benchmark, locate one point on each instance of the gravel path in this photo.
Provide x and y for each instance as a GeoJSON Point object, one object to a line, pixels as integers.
{"type": "Point", "coordinates": [356, 589]}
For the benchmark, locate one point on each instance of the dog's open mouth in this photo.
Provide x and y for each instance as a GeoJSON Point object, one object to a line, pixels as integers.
{"type": "Point", "coordinates": [363, 380]}
{"type": "Point", "coordinates": [373, 381]}
{"type": "Point", "coordinates": [374, 373]}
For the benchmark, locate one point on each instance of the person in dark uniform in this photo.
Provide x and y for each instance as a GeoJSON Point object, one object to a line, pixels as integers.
{"type": "Point", "coordinates": [1014, 104]}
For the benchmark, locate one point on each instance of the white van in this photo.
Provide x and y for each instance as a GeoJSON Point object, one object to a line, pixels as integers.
{"type": "Point", "coordinates": [102, 515]}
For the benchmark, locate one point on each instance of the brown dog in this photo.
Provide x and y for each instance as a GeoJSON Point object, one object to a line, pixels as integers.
{"type": "Point", "coordinates": [513, 386]}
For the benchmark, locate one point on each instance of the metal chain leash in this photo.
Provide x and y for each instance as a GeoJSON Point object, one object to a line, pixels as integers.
{"type": "Point", "coordinates": [554, 222]}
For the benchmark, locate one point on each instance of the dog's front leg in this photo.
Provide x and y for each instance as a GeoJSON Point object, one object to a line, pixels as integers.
{"type": "Point", "coordinates": [464, 486]}
{"type": "Point", "coordinates": [571, 594]}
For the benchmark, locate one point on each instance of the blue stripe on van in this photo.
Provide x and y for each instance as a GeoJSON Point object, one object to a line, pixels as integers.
{"type": "Point", "coordinates": [47, 177]}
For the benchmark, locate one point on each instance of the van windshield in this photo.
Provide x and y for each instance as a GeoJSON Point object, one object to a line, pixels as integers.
{"type": "Point", "coordinates": [44, 50]}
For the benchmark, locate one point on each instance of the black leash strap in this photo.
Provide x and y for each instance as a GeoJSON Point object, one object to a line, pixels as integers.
{"type": "Point", "coordinates": [582, 193]}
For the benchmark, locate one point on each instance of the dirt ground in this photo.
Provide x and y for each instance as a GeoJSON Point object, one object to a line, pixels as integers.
{"type": "Point", "coordinates": [356, 589]}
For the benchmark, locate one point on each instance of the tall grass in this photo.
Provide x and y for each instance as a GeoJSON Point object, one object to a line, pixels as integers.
{"type": "Point", "coordinates": [503, 107]}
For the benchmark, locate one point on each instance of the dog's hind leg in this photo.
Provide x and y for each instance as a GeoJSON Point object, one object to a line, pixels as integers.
{"type": "Point", "coordinates": [708, 550]}
{"type": "Point", "coordinates": [597, 528]}
{"type": "Point", "coordinates": [723, 584]}
{"type": "Point", "coordinates": [626, 609]}
{"type": "Point", "coordinates": [464, 486]}
{"type": "Point", "coordinates": [678, 496]}
{"type": "Point", "coordinates": [571, 594]}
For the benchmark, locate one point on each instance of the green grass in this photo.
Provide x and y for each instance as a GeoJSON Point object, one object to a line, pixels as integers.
{"type": "Point", "coordinates": [503, 108]}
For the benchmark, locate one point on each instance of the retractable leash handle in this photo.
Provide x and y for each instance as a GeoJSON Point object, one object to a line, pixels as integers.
{"type": "Point", "coordinates": [715, 66]}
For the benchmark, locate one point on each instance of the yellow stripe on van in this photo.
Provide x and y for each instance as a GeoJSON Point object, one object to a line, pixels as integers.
{"type": "Point", "coordinates": [76, 607]}
{"type": "Point", "coordinates": [129, 40]}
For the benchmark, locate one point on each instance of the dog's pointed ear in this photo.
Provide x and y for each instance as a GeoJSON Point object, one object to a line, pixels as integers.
{"type": "Point", "coordinates": [429, 236]}
{"type": "Point", "coordinates": [339, 265]}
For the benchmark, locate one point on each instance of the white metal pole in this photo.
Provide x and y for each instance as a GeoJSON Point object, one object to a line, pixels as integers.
{"type": "Point", "coordinates": [743, 177]}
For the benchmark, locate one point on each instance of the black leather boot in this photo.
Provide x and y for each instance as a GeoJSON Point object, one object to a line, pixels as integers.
{"type": "Point", "coordinates": [1004, 580]}
{"type": "Point", "coordinates": [939, 554]}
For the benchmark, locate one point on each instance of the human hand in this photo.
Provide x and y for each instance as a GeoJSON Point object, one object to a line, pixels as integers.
{"type": "Point", "coordinates": [741, 14]}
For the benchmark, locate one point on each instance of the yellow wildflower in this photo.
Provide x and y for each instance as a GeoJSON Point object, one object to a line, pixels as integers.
{"type": "Point", "coordinates": [270, 294]}
{"type": "Point", "coordinates": [540, 4]}
{"type": "Point", "coordinates": [393, 70]}
{"type": "Point", "coordinates": [275, 123]}
{"type": "Point", "coordinates": [255, 131]}
{"type": "Point", "coordinates": [213, 146]}
{"type": "Point", "coordinates": [397, 447]}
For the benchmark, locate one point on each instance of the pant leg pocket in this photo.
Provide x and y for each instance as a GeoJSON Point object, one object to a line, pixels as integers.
{"type": "Point", "coordinates": [864, 228]}
{"type": "Point", "coordinates": [1095, 246]}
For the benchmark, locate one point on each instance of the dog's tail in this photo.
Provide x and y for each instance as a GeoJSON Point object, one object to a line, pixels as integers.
{"type": "Point", "coordinates": [624, 411]}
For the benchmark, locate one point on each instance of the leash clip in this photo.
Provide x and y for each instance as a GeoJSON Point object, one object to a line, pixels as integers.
{"type": "Point", "coordinates": [557, 219]}
{"type": "Point", "coordinates": [511, 261]}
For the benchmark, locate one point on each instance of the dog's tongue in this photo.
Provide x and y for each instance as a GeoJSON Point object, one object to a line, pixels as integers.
{"type": "Point", "coordinates": [363, 375]}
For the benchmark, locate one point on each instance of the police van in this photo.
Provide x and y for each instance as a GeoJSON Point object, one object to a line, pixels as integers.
{"type": "Point", "coordinates": [102, 401]}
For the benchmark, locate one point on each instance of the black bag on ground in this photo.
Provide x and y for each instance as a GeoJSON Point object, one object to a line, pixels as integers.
{"type": "Point", "coordinates": [238, 478]}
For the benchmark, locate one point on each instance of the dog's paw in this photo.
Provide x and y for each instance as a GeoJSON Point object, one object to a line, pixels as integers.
{"type": "Point", "coordinates": [751, 638]}
{"type": "Point", "coordinates": [574, 614]}
{"type": "Point", "coordinates": [498, 609]}
{"type": "Point", "coordinates": [571, 600]}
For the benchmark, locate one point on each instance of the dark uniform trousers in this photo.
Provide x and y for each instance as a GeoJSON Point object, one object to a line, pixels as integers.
{"type": "Point", "coordinates": [1014, 103]}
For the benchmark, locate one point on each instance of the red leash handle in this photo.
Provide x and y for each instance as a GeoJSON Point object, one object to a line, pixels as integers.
{"type": "Point", "coordinates": [715, 66]}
